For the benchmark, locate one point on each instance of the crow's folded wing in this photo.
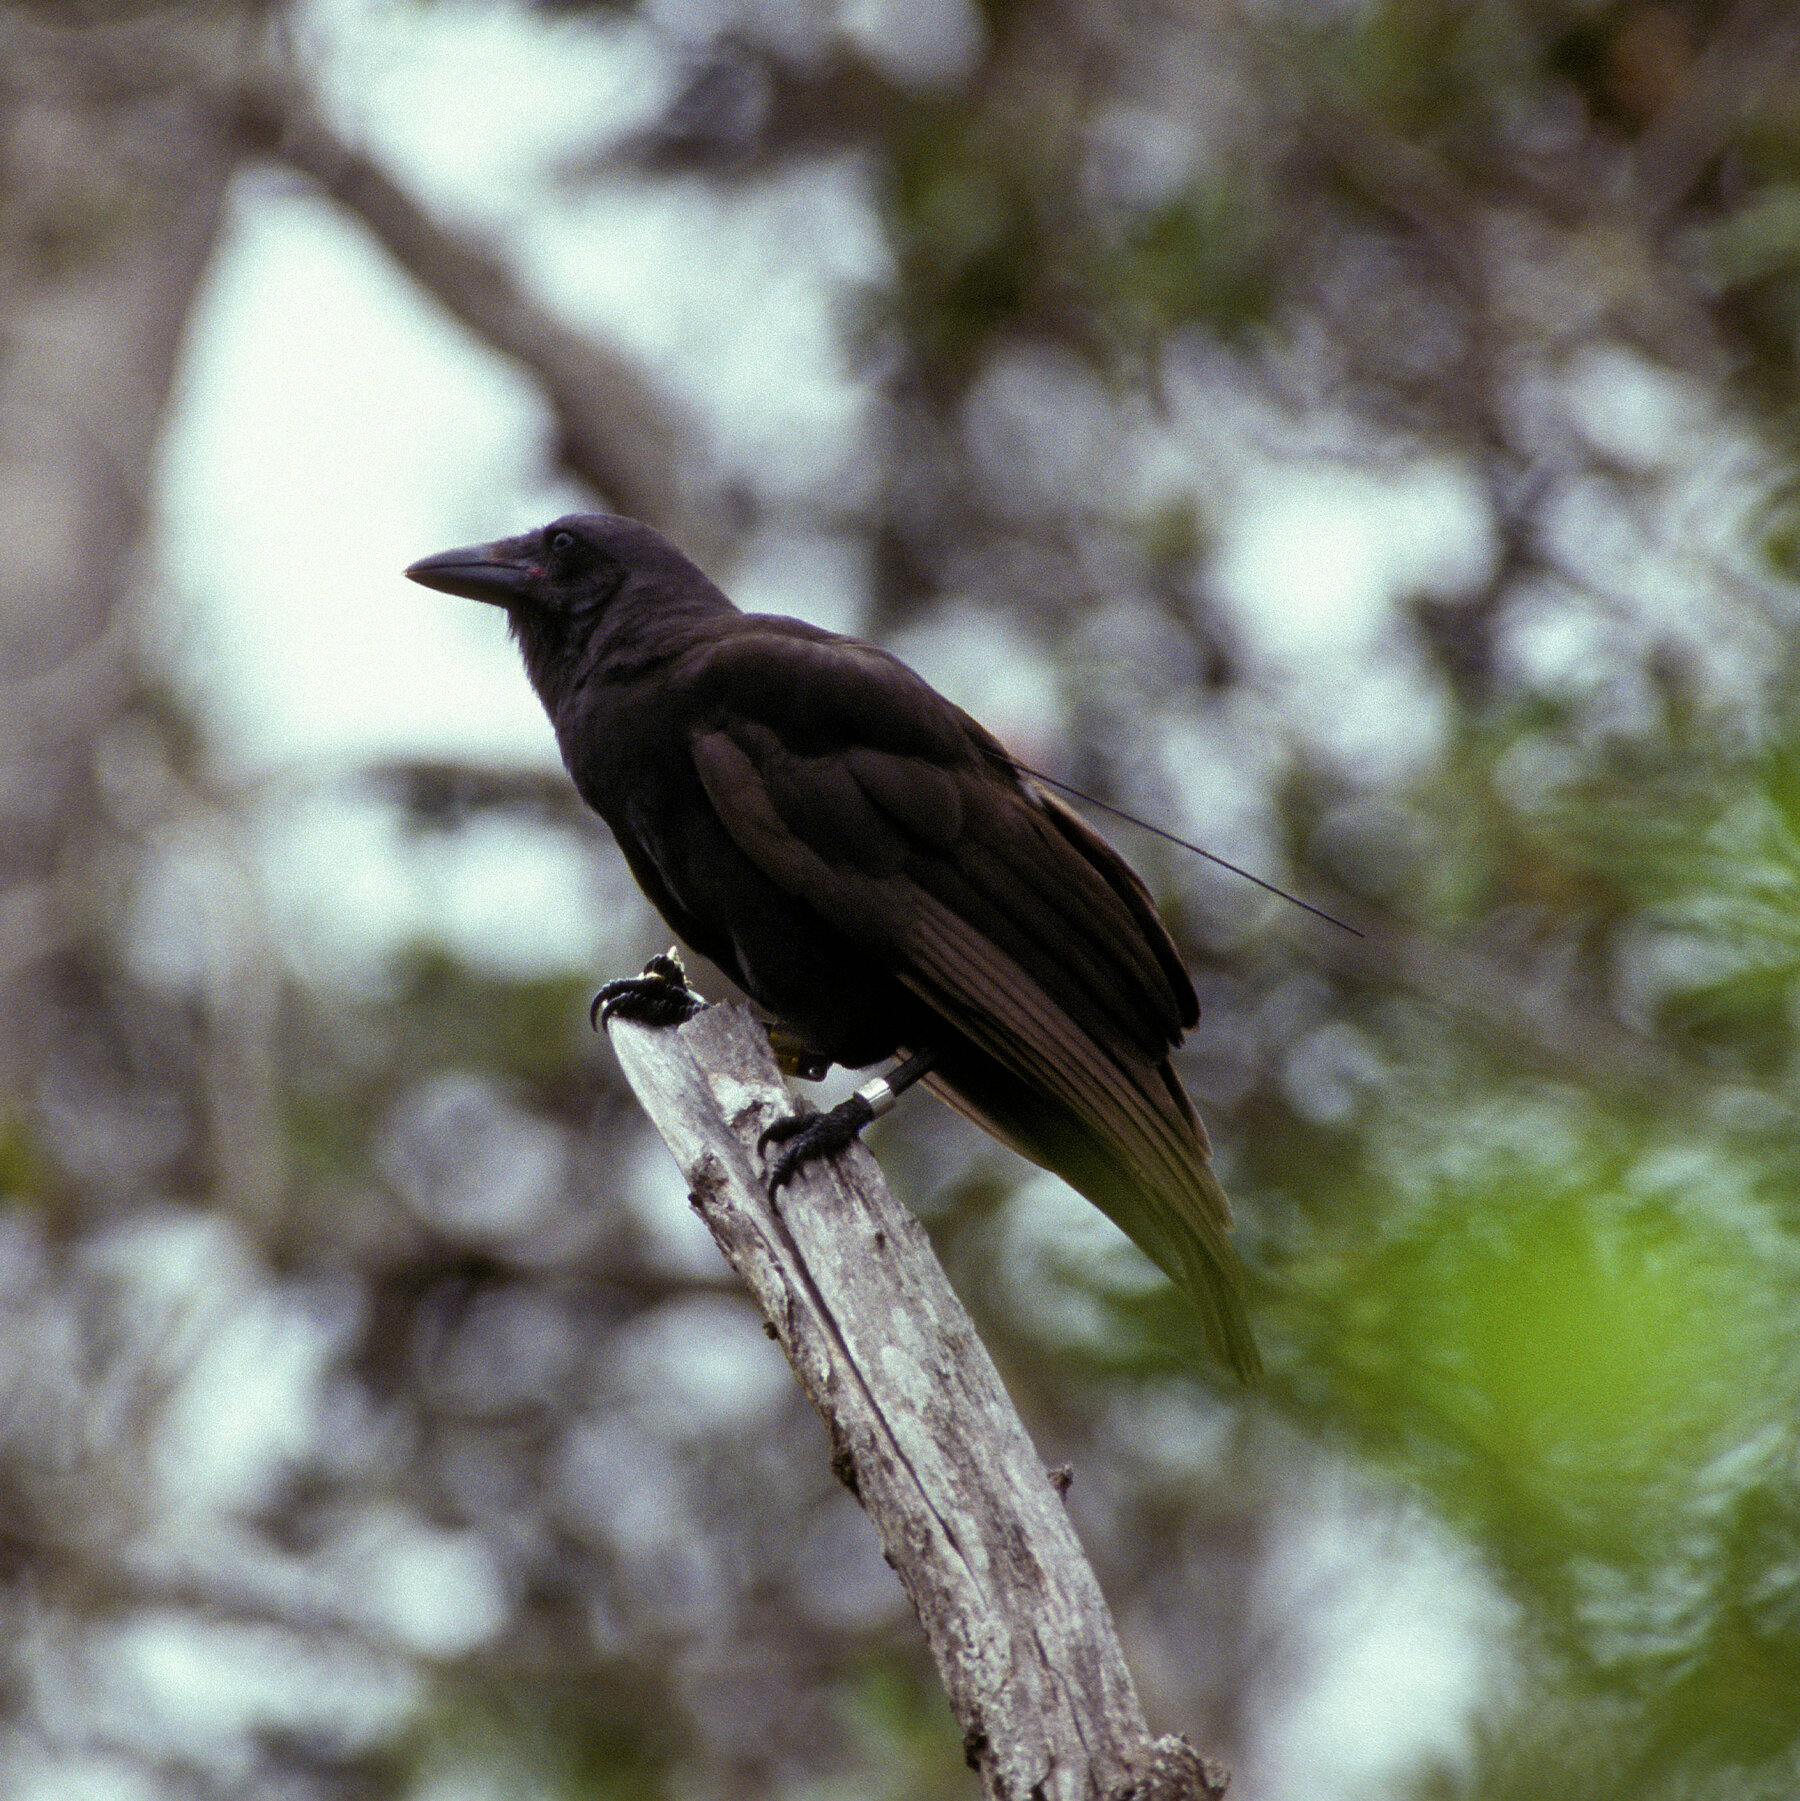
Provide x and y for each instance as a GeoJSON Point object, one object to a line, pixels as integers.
{"type": "Point", "coordinates": [859, 782]}
{"type": "Point", "coordinates": [858, 788]}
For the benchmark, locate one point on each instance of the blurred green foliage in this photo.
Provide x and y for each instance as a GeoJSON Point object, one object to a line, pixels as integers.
{"type": "Point", "coordinates": [603, 1734]}
{"type": "Point", "coordinates": [1565, 1308]}
{"type": "Point", "coordinates": [993, 245]}
{"type": "Point", "coordinates": [533, 1031]}
{"type": "Point", "coordinates": [26, 1173]}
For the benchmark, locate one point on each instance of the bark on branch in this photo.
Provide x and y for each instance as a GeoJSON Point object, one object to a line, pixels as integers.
{"type": "Point", "coordinates": [922, 1432]}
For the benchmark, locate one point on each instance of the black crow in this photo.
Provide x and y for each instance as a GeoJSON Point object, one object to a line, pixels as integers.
{"type": "Point", "coordinates": [867, 863]}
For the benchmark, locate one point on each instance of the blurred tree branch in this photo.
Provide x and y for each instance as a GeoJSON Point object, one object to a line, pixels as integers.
{"type": "Point", "coordinates": [111, 194]}
{"type": "Point", "coordinates": [1755, 47]}
{"type": "Point", "coordinates": [620, 432]}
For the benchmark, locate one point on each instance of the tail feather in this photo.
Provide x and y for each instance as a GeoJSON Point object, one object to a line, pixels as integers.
{"type": "Point", "coordinates": [1166, 1228]}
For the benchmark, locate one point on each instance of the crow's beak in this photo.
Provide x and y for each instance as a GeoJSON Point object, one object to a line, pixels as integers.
{"type": "Point", "coordinates": [501, 574]}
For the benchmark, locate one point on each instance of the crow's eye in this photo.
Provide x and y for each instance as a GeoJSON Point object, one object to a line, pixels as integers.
{"type": "Point", "coordinates": [563, 541]}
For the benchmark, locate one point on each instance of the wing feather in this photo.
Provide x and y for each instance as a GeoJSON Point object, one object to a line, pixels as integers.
{"type": "Point", "coordinates": [1157, 1185]}
{"type": "Point", "coordinates": [1008, 918]}
{"type": "Point", "coordinates": [877, 772]}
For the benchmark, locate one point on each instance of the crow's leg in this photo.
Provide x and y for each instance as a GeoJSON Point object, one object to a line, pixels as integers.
{"type": "Point", "coordinates": [659, 997]}
{"type": "Point", "coordinates": [805, 1136]}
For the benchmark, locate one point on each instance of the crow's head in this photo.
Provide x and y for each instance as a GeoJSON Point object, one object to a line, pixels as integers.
{"type": "Point", "coordinates": [585, 593]}
{"type": "Point", "coordinates": [572, 568]}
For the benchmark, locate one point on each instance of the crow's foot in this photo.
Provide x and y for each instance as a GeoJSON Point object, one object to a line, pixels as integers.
{"type": "Point", "coordinates": [805, 1136]}
{"type": "Point", "coordinates": [659, 997]}
{"type": "Point", "coordinates": [810, 1135]}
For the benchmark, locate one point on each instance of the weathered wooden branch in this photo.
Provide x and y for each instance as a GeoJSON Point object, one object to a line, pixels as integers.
{"type": "Point", "coordinates": [922, 1432]}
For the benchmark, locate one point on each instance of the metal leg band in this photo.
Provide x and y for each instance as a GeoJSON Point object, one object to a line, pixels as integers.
{"type": "Point", "coordinates": [880, 1096]}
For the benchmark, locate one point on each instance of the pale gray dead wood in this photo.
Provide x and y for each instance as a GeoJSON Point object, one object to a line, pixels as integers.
{"type": "Point", "coordinates": [921, 1430]}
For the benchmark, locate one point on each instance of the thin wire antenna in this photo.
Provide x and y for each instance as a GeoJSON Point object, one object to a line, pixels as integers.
{"type": "Point", "coordinates": [1199, 850]}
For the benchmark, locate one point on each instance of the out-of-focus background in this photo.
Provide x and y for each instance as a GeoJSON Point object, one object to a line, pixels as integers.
{"type": "Point", "coordinates": [1361, 436]}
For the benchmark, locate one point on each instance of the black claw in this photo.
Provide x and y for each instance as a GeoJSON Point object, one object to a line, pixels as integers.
{"type": "Point", "coordinates": [659, 997]}
{"type": "Point", "coordinates": [810, 1135]}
